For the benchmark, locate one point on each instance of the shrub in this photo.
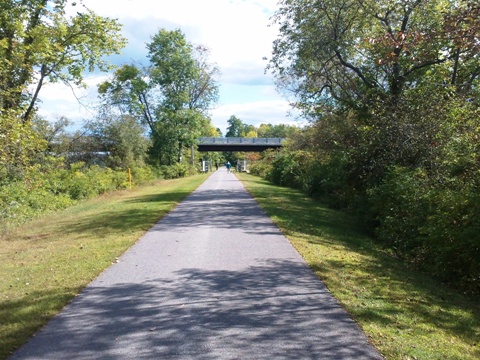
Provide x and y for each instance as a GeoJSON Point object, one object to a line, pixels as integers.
{"type": "Point", "coordinates": [142, 174]}
{"type": "Point", "coordinates": [50, 187]}
{"type": "Point", "coordinates": [260, 168]}
{"type": "Point", "coordinates": [432, 224]}
{"type": "Point", "coordinates": [20, 201]}
{"type": "Point", "coordinates": [289, 168]}
{"type": "Point", "coordinates": [176, 170]}
{"type": "Point", "coordinates": [400, 207]}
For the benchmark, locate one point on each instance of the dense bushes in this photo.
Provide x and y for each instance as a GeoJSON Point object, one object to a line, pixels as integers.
{"type": "Point", "coordinates": [434, 225]}
{"type": "Point", "coordinates": [410, 170]}
{"type": "Point", "coordinates": [19, 202]}
{"type": "Point", "coordinates": [428, 211]}
{"type": "Point", "coordinates": [176, 170]}
{"type": "Point", "coordinates": [51, 186]}
{"type": "Point", "coordinates": [290, 169]}
{"type": "Point", "coordinates": [43, 168]}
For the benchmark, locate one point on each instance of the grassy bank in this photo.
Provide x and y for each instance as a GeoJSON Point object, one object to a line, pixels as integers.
{"type": "Point", "coordinates": [405, 314]}
{"type": "Point", "coordinates": [46, 262]}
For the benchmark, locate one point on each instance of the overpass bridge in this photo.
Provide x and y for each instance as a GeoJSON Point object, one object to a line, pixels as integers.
{"type": "Point", "coordinates": [238, 144]}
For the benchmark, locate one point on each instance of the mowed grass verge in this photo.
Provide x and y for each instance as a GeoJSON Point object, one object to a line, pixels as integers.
{"type": "Point", "coordinates": [406, 315]}
{"type": "Point", "coordinates": [48, 261]}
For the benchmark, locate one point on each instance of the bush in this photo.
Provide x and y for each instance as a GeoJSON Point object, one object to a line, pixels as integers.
{"type": "Point", "coordinates": [50, 186]}
{"type": "Point", "coordinates": [20, 202]}
{"type": "Point", "coordinates": [289, 168]}
{"type": "Point", "coordinates": [328, 180]}
{"type": "Point", "coordinates": [400, 207]}
{"type": "Point", "coordinates": [176, 170]}
{"type": "Point", "coordinates": [85, 182]}
{"type": "Point", "coordinates": [142, 174]}
{"type": "Point", "coordinates": [432, 224]}
{"type": "Point", "coordinates": [452, 235]}
{"type": "Point", "coordinates": [260, 168]}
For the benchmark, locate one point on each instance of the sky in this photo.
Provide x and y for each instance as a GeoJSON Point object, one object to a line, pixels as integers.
{"type": "Point", "coordinates": [239, 34]}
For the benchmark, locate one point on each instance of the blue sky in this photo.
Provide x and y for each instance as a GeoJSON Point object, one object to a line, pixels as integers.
{"type": "Point", "coordinates": [237, 32]}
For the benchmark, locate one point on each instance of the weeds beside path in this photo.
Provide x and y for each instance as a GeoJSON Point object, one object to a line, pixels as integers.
{"type": "Point", "coordinates": [46, 262]}
{"type": "Point", "coordinates": [405, 314]}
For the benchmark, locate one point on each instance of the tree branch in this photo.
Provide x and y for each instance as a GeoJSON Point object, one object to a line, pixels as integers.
{"type": "Point", "coordinates": [354, 69]}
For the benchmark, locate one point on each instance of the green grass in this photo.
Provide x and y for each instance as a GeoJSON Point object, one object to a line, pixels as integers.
{"type": "Point", "coordinates": [46, 262]}
{"type": "Point", "coordinates": [405, 314]}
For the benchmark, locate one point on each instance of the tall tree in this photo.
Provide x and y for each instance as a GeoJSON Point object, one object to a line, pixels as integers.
{"type": "Point", "coordinates": [172, 95]}
{"type": "Point", "coordinates": [348, 52]}
{"type": "Point", "coordinates": [235, 127]}
{"type": "Point", "coordinates": [122, 137]}
{"type": "Point", "coordinates": [39, 43]}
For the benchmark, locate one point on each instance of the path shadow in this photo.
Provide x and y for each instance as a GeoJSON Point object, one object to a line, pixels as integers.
{"type": "Point", "coordinates": [275, 310]}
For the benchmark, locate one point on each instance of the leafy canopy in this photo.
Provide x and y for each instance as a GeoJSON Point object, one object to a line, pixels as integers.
{"type": "Point", "coordinates": [335, 53]}
{"type": "Point", "coordinates": [172, 95]}
{"type": "Point", "coordinates": [40, 43]}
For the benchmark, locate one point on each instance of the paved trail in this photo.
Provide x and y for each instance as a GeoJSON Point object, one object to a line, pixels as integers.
{"type": "Point", "coordinates": [215, 279]}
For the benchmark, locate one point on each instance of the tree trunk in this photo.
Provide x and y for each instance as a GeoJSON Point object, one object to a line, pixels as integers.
{"type": "Point", "coordinates": [180, 155]}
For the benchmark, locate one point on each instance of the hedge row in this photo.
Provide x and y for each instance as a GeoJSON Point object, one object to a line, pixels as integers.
{"type": "Point", "coordinates": [49, 187]}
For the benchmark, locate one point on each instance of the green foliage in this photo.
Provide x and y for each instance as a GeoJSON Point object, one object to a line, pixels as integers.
{"type": "Point", "coordinates": [428, 213]}
{"type": "Point", "coordinates": [264, 166]}
{"type": "Point", "coordinates": [276, 131]}
{"type": "Point", "coordinates": [289, 169]}
{"type": "Point", "coordinates": [171, 96]}
{"type": "Point", "coordinates": [20, 145]}
{"type": "Point", "coordinates": [143, 174]}
{"type": "Point", "coordinates": [392, 90]}
{"type": "Point", "coordinates": [237, 128]}
{"type": "Point", "coordinates": [19, 202]}
{"type": "Point", "coordinates": [346, 53]}
{"type": "Point", "coordinates": [432, 225]}
{"type": "Point", "coordinates": [51, 186]}
{"type": "Point", "coordinates": [40, 44]}
{"type": "Point", "coordinates": [123, 138]}
{"type": "Point", "coordinates": [177, 170]}
{"type": "Point", "coordinates": [410, 169]}
{"type": "Point", "coordinates": [401, 206]}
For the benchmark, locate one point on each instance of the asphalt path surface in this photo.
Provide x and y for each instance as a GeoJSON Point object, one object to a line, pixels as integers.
{"type": "Point", "coordinates": [214, 279]}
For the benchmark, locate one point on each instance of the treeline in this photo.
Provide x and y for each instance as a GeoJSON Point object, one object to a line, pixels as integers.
{"type": "Point", "coordinates": [148, 118]}
{"type": "Point", "coordinates": [55, 168]}
{"type": "Point", "coordinates": [237, 128]}
{"type": "Point", "coordinates": [391, 89]}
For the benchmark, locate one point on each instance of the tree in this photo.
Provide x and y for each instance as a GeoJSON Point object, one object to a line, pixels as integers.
{"type": "Point", "coordinates": [277, 131]}
{"type": "Point", "coordinates": [172, 95]}
{"type": "Point", "coordinates": [373, 66]}
{"type": "Point", "coordinates": [39, 43]}
{"type": "Point", "coordinates": [187, 83]}
{"type": "Point", "coordinates": [335, 53]}
{"type": "Point", "coordinates": [122, 137]}
{"type": "Point", "coordinates": [237, 128]}
{"type": "Point", "coordinates": [19, 145]}
{"type": "Point", "coordinates": [54, 133]}
{"type": "Point", "coordinates": [392, 90]}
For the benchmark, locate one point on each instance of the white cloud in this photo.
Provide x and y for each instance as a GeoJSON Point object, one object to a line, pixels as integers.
{"type": "Point", "coordinates": [236, 31]}
{"type": "Point", "coordinates": [76, 103]}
